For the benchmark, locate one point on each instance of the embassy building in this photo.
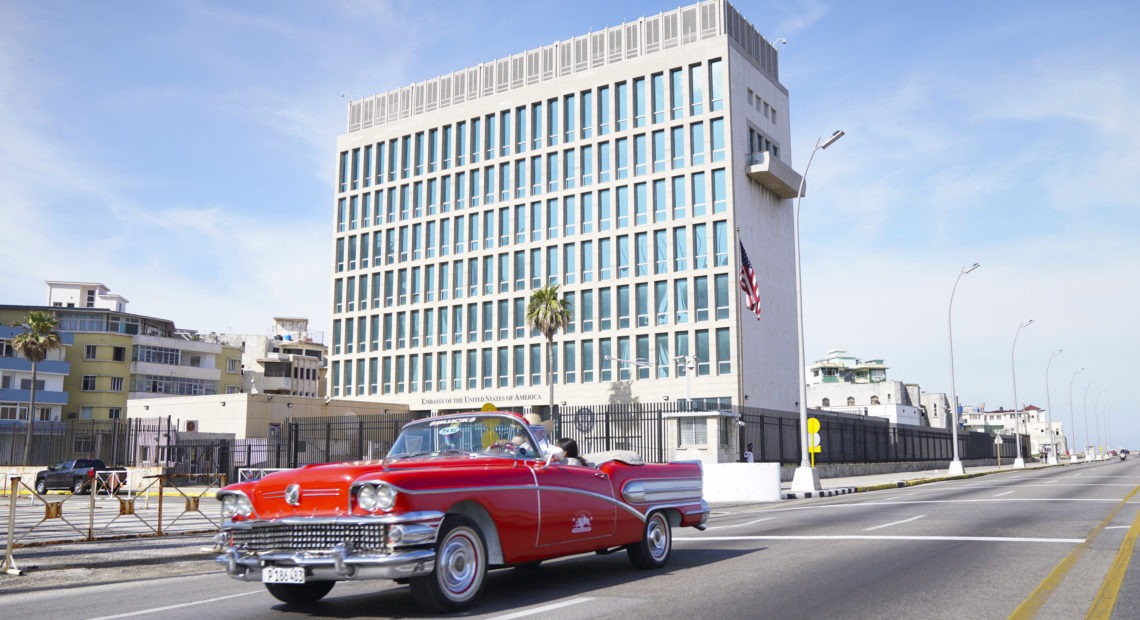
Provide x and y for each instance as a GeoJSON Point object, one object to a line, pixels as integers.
{"type": "Point", "coordinates": [628, 166]}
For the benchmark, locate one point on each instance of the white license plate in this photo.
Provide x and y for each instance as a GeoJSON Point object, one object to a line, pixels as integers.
{"type": "Point", "coordinates": [283, 574]}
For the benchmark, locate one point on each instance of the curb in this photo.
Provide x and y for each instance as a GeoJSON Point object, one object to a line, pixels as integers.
{"type": "Point", "coordinates": [821, 493]}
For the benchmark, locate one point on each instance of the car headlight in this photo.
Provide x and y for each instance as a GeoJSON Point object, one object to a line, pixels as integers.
{"type": "Point", "coordinates": [229, 506]}
{"type": "Point", "coordinates": [236, 504]}
{"type": "Point", "coordinates": [366, 498]}
{"type": "Point", "coordinates": [374, 497]}
{"type": "Point", "coordinates": [244, 506]}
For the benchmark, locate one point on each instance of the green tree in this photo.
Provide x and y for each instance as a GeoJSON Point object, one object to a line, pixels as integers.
{"type": "Point", "coordinates": [37, 340]}
{"type": "Point", "coordinates": [548, 313]}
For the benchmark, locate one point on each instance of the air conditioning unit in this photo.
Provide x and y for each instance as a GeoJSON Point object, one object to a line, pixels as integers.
{"type": "Point", "coordinates": [191, 426]}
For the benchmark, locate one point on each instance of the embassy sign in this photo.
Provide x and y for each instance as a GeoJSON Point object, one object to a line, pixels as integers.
{"type": "Point", "coordinates": [479, 399]}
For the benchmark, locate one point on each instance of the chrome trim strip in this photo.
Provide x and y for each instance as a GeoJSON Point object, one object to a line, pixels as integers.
{"type": "Point", "coordinates": [407, 517]}
{"type": "Point", "coordinates": [661, 489]}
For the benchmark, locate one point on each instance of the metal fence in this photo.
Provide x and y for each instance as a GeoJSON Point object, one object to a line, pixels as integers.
{"type": "Point", "coordinates": [846, 438]}
{"type": "Point", "coordinates": [774, 435]}
{"type": "Point", "coordinates": [644, 428]}
{"type": "Point", "coordinates": [116, 442]}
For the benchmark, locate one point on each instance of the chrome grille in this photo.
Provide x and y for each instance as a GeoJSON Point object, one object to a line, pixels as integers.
{"type": "Point", "coordinates": [311, 537]}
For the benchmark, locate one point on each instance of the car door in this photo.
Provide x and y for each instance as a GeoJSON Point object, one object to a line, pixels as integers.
{"type": "Point", "coordinates": [576, 506]}
{"type": "Point", "coordinates": [60, 476]}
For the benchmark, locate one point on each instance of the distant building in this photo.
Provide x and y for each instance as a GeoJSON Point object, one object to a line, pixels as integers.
{"type": "Point", "coordinates": [289, 359]}
{"type": "Point", "coordinates": [114, 355]}
{"type": "Point", "coordinates": [1032, 423]}
{"type": "Point", "coordinates": [844, 383]}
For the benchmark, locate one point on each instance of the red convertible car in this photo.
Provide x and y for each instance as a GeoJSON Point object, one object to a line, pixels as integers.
{"type": "Point", "coordinates": [457, 495]}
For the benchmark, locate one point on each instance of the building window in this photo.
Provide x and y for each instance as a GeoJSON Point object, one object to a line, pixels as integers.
{"type": "Point", "coordinates": [850, 401]}
{"type": "Point", "coordinates": [874, 400]}
{"type": "Point", "coordinates": [89, 352]}
{"type": "Point", "coordinates": [826, 402]}
{"type": "Point", "coordinates": [88, 384]}
{"type": "Point", "coordinates": [114, 413]}
{"type": "Point", "coordinates": [116, 384]}
{"type": "Point", "coordinates": [693, 431]}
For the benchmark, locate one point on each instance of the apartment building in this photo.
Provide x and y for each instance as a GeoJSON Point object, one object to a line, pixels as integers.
{"type": "Point", "coordinates": [628, 166]}
{"type": "Point", "coordinates": [113, 355]}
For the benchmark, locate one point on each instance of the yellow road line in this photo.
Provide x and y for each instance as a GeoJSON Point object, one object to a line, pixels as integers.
{"type": "Point", "coordinates": [1040, 595]}
{"type": "Point", "coordinates": [1106, 597]}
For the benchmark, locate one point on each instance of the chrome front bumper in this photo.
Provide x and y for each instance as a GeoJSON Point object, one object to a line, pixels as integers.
{"type": "Point", "coordinates": [411, 554]}
{"type": "Point", "coordinates": [339, 565]}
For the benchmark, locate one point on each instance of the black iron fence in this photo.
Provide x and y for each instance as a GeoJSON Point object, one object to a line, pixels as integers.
{"type": "Point", "coordinates": [653, 430]}
{"type": "Point", "coordinates": [115, 442]}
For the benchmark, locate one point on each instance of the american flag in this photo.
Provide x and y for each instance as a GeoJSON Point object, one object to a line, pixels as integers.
{"type": "Point", "coordinates": [748, 283]}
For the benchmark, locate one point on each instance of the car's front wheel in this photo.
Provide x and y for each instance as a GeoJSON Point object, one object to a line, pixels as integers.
{"type": "Point", "coordinates": [460, 567]}
{"type": "Point", "coordinates": [300, 593]}
{"type": "Point", "coordinates": [41, 486]}
{"type": "Point", "coordinates": [77, 486]}
{"type": "Point", "coordinates": [655, 545]}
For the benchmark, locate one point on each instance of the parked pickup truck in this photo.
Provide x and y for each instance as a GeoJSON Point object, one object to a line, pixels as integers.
{"type": "Point", "coordinates": [78, 476]}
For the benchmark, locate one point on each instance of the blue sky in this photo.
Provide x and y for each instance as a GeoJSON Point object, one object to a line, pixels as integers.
{"type": "Point", "coordinates": [182, 153]}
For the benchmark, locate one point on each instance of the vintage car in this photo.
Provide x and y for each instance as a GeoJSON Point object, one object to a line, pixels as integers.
{"type": "Point", "coordinates": [457, 495]}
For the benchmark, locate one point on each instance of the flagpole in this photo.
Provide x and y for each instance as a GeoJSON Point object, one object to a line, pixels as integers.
{"type": "Point", "coordinates": [740, 395]}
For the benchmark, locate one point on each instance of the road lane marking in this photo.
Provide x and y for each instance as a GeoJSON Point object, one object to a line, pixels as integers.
{"type": "Point", "coordinates": [1070, 541]}
{"type": "Point", "coordinates": [1006, 493]}
{"type": "Point", "coordinates": [1050, 482]}
{"type": "Point", "coordinates": [1118, 527]}
{"type": "Point", "coordinates": [153, 610]}
{"type": "Point", "coordinates": [545, 608]}
{"type": "Point", "coordinates": [879, 527]}
{"type": "Point", "coordinates": [753, 522]}
{"type": "Point", "coordinates": [1105, 599]}
{"type": "Point", "coordinates": [1031, 606]}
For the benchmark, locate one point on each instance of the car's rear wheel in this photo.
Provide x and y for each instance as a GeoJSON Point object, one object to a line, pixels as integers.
{"type": "Point", "coordinates": [655, 545]}
{"type": "Point", "coordinates": [460, 567]}
{"type": "Point", "coordinates": [41, 486]}
{"type": "Point", "coordinates": [300, 593]}
{"type": "Point", "coordinates": [77, 486]}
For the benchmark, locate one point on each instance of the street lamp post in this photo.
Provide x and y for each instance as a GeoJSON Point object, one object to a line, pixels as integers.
{"type": "Point", "coordinates": [806, 478]}
{"type": "Point", "coordinates": [956, 468]}
{"type": "Point", "coordinates": [1088, 457]}
{"type": "Point", "coordinates": [1072, 418]}
{"type": "Point", "coordinates": [1052, 457]}
{"type": "Point", "coordinates": [1096, 423]}
{"type": "Point", "coordinates": [1018, 462]}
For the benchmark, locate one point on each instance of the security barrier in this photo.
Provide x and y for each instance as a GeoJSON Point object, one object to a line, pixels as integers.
{"type": "Point", "coordinates": [161, 505]}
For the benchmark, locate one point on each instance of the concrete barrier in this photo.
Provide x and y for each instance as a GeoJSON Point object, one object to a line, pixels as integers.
{"type": "Point", "coordinates": [742, 482]}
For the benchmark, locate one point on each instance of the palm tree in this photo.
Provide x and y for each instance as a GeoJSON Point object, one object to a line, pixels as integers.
{"type": "Point", "coordinates": [39, 337]}
{"type": "Point", "coordinates": [549, 314]}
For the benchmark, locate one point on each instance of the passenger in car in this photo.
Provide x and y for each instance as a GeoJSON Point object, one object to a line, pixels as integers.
{"type": "Point", "coordinates": [570, 448]}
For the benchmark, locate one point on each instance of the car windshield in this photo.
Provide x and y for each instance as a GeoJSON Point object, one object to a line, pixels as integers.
{"type": "Point", "coordinates": [477, 435]}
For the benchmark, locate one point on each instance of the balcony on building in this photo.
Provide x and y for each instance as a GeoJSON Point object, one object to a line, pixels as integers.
{"type": "Point", "coordinates": [773, 174]}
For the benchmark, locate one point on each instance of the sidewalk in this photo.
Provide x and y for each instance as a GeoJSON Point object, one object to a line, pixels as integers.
{"type": "Point", "coordinates": [830, 487]}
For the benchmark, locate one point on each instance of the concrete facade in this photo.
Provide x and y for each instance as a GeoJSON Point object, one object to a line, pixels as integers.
{"type": "Point", "coordinates": [618, 165]}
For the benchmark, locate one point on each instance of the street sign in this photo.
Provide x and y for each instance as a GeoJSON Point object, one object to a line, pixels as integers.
{"type": "Point", "coordinates": [997, 439]}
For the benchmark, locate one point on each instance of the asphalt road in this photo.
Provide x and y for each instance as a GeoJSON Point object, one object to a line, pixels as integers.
{"type": "Point", "coordinates": [1029, 543]}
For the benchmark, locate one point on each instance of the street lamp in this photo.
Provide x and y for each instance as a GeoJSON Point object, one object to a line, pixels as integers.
{"type": "Point", "coordinates": [1096, 422]}
{"type": "Point", "coordinates": [806, 478]}
{"type": "Point", "coordinates": [1049, 412]}
{"type": "Point", "coordinates": [956, 468]}
{"type": "Point", "coordinates": [1088, 457]}
{"type": "Point", "coordinates": [1072, 419]}
{"type": "Point", "coordinates": [1018, 462]}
